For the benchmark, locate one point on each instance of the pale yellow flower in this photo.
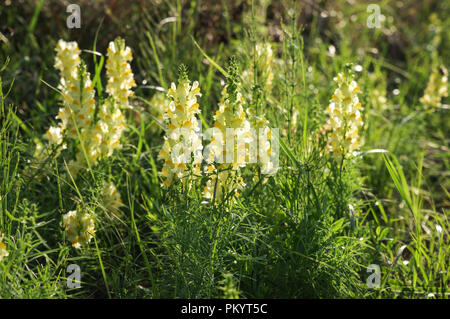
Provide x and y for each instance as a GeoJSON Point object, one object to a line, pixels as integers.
{"type": "Point", "coordinates": [79, 104]}
{"type": "Point", "coordinates": [76, 88]}
{"type": "Point", "coordinates": [231, 114]}
{"type": "Point", "coordinates": [159, 103]}
{"type": "Point", "coordinates": [183, 131]}
{"type": "Point", "coordinates": [111, 199]}
{"type": "Point", "coordinates": [54, 135]}
{"type": "Point", "coordinates": [3, 252]}
{"type": "Point", "coordinates": [120, 75]}
{"type": "Point", "coordinates": [264, 66]}
{"type": "Point", "coordinates": [99, 140]}
{"type": "Point", "coordinates": [222, 180]}
{"type": "Point", "coordinates": [264, 62]}
{"type": "Point", "coordinates": [102, 138]}
{"type": "Point", "coordinates": [88, 150]}
{"type": "Point", "coordinates": [225, 177]}
{"type": "Point", "coordinates": [67, 60]}
{"type": "Point", "coordinates": [345, 119]}
{"type": "Point", "coordinates": [39, 154]}
{"type": "Point", "coordinates": [79, 227]}
{"type": "Point", "coordinates": [111, 125]}
{"type": "Point", "coordinates": [437, 88]}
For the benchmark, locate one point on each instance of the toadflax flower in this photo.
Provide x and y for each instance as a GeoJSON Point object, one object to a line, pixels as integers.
{"type": "Point", "coordinates": [182, 137]}
{"type": "Point", "coordinates": [225, 176]}
{"type": "Point", "coordinates": [111, 200]}
{"type": "Point", "coordinates": [264, 66]}
{"type": "Point", "coordinates": [437, 88]}
{"type": "Point", "coordinates": [54, 137]}
{"type": "Point", "coordinates": [112, 124]}
{"type": "Point", "coordinates": [120, 75]}
{"type": "Point", "coordinates": [77, 115]}
{"type": "Point", "coordinates": [262, 62]}
{"type": "Point", "coordinates": [344, 114]}
{"type": "Point", "coordinates": [99, 140]}
{"type": "Point", "coordinates": [76, 88]}
{"type": "Point", "coordinates": [79, 227]}
{"type": "Point", "coordinates": [67, 61]}
{"type": "Point", "coordinates": [158, 104]}
{"type": "Point", "coordinates": [3, 252]}
{"type": "Point", "coordinates": [77, 112]}
{"type": "Point", "coordinates": [263, 135]}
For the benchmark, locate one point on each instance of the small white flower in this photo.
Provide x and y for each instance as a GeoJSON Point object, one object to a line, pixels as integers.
{"type": "Point", "coordinates": [358, 68]}
{"type": "Point", "coordinates": [331, 51]}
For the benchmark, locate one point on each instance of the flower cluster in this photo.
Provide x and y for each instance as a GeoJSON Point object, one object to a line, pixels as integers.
{"type": "Point", "coordinates": [437, 88]}
{"type": "Point", "coordinates": [78, 108]}
{"type": "Point", "coordinates": [344, 116]}
{"type": "Point", "coordinates": [158, 103]}
{"type": "Point", "coordinates": [77, 91]}
{"type": "Point", "coordinates": [54, 137]}
{"type": "Point", "coordinates": [3, 252]}
{"type": "Point", "coordinates": [183, 131]}
{"type": "Point", "coordinates": [101, 139]}
{"type": "Point", "coordinates": [264, 136]}
{"type": "Point", "coordinates": [378, 99]}
{"type": "Point", "coordinates": [68, 62]}
{"type": "Point", "coordinates": [120, 75]}
{"type": "Point", "coordinates": [79, 227]}
{"type": "Point", "coordinates": [111, 200]}
{"type": "Point", "coordinates": [226, 176]}
{"type": "Point", "coordinates": [77, 116]}
{"type": "Point", "coordinates": [264, 66]}
{"type": "Point", "coordinates": [95, 139]}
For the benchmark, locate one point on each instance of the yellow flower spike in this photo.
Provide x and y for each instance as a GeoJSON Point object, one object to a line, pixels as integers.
{"type": "Point", "coordinates": [436, 89]}
{"type": "Point", "coordinates": [111, 200]}
{"type": "Point", "coordinates": [230, 115]}
{"type": "Point", "coordinates": [180, 113]}
{"type": "Point", "coordinates": [264, 66]}
{"type": "Point", "coordinates": [79, 227]}
{"type": "Point", "coordinates": [111, 122]}
{"type": "Point", "coordinates": [119, 73]}
{"type": "Point", "coordinates": [344, 117]}
{"type": "Point", "coordinates": [67, 59]}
